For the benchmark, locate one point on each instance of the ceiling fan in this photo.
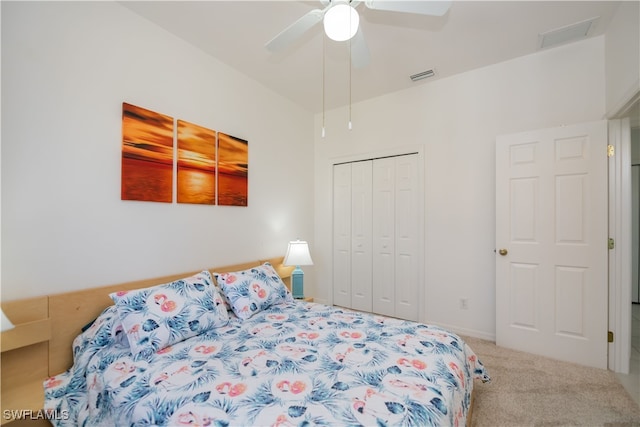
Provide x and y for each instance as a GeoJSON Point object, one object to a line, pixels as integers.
{"type": "Point", "coordinates": [341, 23]}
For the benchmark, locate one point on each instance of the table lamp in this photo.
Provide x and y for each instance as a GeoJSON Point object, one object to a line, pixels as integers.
{"type": "Point", "coordinates": [297, 254]}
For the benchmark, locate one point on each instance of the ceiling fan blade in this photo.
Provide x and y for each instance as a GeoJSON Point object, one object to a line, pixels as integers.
{"type": "Point", "coordinates": [360, 55]}
{"type": "Point", "coordinates": [294, 31]}
{"type": "Point", "coordinates": [435, 8]}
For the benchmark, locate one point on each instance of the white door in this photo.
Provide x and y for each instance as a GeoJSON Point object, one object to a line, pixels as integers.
{"type": "Point", "coordinates": [551, 241]}
{"type": "Point", "coordinates": [395, 236]}
{"type": "Point", "coordinates": [342, 235]}
{"type": "Point", "coordinates": [361, 262]}
{"type": "Point", "coordinates": [407, 213]}
{"type": "Point", "coordinates": [384, 216]}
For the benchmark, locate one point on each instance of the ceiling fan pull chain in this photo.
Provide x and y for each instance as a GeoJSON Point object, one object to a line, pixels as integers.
{"type": "Point", "coordinates": [349, 61]}
{"type": "Point", "coordinates": [323, 70]}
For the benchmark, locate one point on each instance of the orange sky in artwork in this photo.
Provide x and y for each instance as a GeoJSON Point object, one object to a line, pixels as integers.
{"type": "Point", "coordinates": [146, 135]}
{"type": "Point", "coordinates": [196, 146]}
{"type": "Point", "coordinates": [234, 155]}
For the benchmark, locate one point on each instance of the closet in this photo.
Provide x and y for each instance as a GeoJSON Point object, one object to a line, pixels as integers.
{"type": "Point", "coordinates": [376, 221]}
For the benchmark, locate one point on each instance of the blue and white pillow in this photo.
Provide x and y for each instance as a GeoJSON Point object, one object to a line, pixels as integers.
{"type": "Point", "coordinates": [157, 317]}
{"type": "Point", "coordinates": [253, 290]}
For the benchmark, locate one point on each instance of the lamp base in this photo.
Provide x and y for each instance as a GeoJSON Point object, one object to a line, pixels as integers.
{"type": "Point", "coordinates": [297, 283]}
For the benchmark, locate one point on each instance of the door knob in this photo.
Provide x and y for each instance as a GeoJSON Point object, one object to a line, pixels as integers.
{"type": "Point", "coordinates": [503, 252]}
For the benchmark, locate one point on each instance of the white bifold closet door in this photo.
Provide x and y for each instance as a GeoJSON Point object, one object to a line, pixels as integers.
{"type": "Point", "coordinates": [352, 235]}
{"type": "Point", "coordinates": [395, 237]}
{"type": "Point", "coordinates": [361, 218]}
{"type": "Point", "coordinates": [342, 235]}
{"type": "Point", "coordinates": [376, 228]}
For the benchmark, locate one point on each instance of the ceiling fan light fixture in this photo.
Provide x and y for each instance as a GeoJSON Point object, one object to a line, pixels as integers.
{"type": "Point", "coordinates": [341, 22]}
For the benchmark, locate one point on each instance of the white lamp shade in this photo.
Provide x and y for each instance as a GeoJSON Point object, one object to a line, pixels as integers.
{"type": "Point", "coordinates": [5, 323]}
{"type": "Point", "coordinates": [341, 22]}
{"type": "Point", "coordinates": [298, 254]}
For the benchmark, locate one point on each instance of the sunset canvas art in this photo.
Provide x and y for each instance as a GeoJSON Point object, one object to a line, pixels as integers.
{"type": "Point", "coordinates": [147, 155]}
{"type": "Point", "coordinates": [196, 180]}
{"type": "Point", "coordinates": [233, 168]}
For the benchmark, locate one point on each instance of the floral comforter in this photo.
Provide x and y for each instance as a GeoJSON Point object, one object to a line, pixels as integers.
{"type": "Point", "coordinates": [293, 364]}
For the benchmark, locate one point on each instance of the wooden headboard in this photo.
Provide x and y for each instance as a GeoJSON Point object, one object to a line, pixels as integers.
{"type": "Point", "coordinates": [47, 334]}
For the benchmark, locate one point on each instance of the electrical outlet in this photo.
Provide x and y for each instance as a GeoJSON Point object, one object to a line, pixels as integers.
{"type": "Point", "coordinates": [464, 303]}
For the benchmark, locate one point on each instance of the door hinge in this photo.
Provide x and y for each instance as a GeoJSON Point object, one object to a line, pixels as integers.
{"type": "Point", "coordinates": [611, 150]}
{"type": "Point", "coordinates": [612, 243]}
{"type": "Point", "coordinates": [610, 336]}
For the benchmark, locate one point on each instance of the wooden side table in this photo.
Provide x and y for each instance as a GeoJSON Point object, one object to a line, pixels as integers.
{"type": "Point", "coordinates": [25, 363]}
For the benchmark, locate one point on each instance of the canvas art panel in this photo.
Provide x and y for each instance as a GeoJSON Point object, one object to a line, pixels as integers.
{"type": "Point", "coordinates": [196, 169]}
{"type": "Point", "coordinates": [233, 170]}
{"type": "Point", "coordinates": [147, 155]}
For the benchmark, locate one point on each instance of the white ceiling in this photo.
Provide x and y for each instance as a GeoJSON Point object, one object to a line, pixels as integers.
{"type": "Point", "coordinates": [470, 35]}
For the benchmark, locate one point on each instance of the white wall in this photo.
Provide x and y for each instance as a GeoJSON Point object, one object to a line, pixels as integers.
{"type": "Point", "coordinates": [66, 69]}
{"type": "Point", "coordinates": [455, 122]}
{"type": "Point", "coordinates": [623, 56]}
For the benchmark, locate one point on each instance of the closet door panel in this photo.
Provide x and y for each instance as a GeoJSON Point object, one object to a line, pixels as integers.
{"type": "Point", "coordinates": [383, 237]}
{"type": "Point", "coordinates": [342, 235]}
{"type": "Point", "coordinates": [361, 262]}
{"type": "Point", "coordinates": [407, 213]}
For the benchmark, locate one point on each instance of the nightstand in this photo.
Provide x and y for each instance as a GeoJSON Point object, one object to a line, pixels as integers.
{"type": "Point", "coordinates": [25, 361]}
{"type": "Point", "coordinates": [305, 299]}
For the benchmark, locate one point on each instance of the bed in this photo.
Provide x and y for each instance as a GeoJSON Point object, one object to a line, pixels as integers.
{"type": "Point", "coordinates": [233, 348]}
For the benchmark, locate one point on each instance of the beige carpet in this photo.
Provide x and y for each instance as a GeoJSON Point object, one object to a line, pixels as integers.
{"type": "Point", "coordinates": [529, 390]}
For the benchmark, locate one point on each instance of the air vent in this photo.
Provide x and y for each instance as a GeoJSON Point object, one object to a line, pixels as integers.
{"type": "Point", "coordinates": [422, 75]}
{"type": "Point", "coordinates": [567, 34]}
